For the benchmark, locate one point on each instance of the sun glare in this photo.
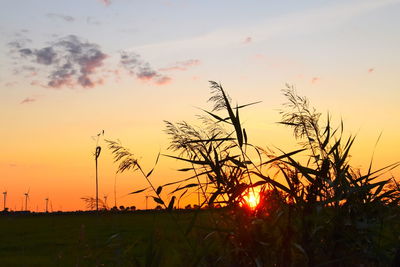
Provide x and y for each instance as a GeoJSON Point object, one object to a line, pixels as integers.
{"type": "Point", "coordinates": [252, 198]}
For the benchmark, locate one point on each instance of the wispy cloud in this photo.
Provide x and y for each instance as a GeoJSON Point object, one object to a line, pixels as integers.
{"type": "Point", "coordinates": [18, 44]}
{"type": "Point", "coordinates": [60, 16]}
{"type": "Point", "coordinates": [141, 69]}
{"type": "Point", "coordinates": [68, 61]}
{"type": "Point", "coordinates": [28, 100]}
{"type": "Point", "coordinates": [247, 40]}
{"type": "Point", "coordinates": [106, 2]}
{"type": "Point", "coordinates": [315, 80]}
{"type": "Point", "coordinates": [370, 70]}
{"type": "Point", "coordinates": [182, 65]}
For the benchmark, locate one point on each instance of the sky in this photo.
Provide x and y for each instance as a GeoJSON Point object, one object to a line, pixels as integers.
{"type": "Point", "coordinates": [70, 69]}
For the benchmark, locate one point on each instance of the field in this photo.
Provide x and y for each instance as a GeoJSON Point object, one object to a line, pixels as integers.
{"type": "Point", "coordinates": [85, 239]}
{"type": "Point", "coordinates": [158, 238]}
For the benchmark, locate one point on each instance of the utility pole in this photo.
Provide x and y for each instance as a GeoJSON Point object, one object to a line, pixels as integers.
{"type": "Point", "coordinates": [96, 156]}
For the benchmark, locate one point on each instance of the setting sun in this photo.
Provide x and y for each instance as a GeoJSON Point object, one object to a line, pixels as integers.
{"type": "Point", "coordinates": [251, 199]}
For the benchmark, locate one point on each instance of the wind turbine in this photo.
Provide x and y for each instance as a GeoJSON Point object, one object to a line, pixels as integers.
{"type": "Point", "coordinates": [26, 199]}
{"type": "Point", "coordinates": [105, 202]}
{"type": "Point", "coordinates": [5, 199]}
{"type": "Point", "coordinates": [47, 204]}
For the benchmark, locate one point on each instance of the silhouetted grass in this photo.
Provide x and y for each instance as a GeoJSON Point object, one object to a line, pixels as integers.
{"type": "Point", "coordinates": [318, 211]}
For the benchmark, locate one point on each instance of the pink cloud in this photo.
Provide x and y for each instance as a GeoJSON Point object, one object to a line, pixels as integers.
{"type": "Point", "coordinates": [61, 81]}
{"type": "Point", "coordinates": [182, 65]}
{"type": "Point", "coordinates": [247, 40]}
{"type": "Point", "coordinates": [315, 80]}
{"type": "Point", "coordinates": [173, 68]}
{"type": "Point", "coordinates": [142, 70]}
{"type": "Point", "coordinates": [154, 77]}
{"type": "Point", "coordinates": [106, 2]}
{"type": "Point", "coordinates": [163, 80]}
{"type": "Point", "coordinates": [28, 100]}
{"type": "Point", "coordinates": [370, 70]}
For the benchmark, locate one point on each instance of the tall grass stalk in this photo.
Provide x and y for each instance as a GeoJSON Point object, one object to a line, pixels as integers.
{"type": "Point", "coordinates": [315, 212]}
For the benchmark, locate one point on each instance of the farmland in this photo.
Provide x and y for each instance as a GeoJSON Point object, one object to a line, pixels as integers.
{"type": "Point", "coordinates": [159, 238]}
{"type": "Point", "coordinates": [84, 239]}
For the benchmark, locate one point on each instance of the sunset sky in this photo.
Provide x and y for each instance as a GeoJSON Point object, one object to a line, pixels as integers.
{"type": "Point", "coordinates": [69, 69]}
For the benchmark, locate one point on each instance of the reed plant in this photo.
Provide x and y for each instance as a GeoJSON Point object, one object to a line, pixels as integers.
{"type": "Point", "coordinates": [314, 208]}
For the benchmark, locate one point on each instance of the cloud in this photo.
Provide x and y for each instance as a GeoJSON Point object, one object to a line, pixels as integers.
{"type": "Point", "coordinates": [135, 65]}
{"type": "Point", "coordinates": [182, 65]}
{"type": "Point", "coordinates": [370, 70]}
{"type": "Point", "coordinates": [106, 2]}
{"type": "Point", "coordinates": [315, 80]}
{"type": "Point", "coordinates": [28, 100]}
{"type": "Point", "coordinates": [163, 80]}
{"type": "Point", "coordinates": [45, 56]}
{"type": "Point", "coordinates": [60, 16]}
{"type": "Point", "coordinates": [247, 40]}
{"type": "Point", "coordinates": [10, 84]}
{"type": "Point", "coordinates": [67, 61]}
{"type": "Point", "coordinates": [18, 44]}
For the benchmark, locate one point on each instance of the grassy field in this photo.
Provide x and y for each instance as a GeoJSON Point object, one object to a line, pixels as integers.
{"type": "Point", "coordinates": [108, 239]}
{"type": "Point", "coordinates": [158, 238]}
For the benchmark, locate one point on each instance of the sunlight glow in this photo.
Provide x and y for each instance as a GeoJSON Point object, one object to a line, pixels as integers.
{"type": "Point", "coordinates": [252, 198]}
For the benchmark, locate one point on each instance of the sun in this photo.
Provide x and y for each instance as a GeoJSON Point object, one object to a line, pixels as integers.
{"type": "Point", "coordinates": [251, 199]}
